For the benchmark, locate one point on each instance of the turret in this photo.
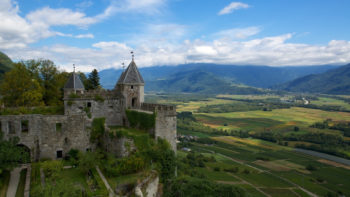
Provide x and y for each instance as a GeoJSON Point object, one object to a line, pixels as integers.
{"type": "Point", "coordinates": [73, 85]}
{"type": "Point", "coordinates": [131, 86]}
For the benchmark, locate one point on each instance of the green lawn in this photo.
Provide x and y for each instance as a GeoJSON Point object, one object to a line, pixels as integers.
{"type": "Point", "coordinates": [21, 184]}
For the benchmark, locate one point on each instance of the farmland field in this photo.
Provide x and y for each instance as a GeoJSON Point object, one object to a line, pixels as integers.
{"type": "Point", "coordinates": [273, 167]}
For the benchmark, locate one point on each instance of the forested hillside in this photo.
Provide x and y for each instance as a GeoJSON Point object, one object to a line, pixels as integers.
{"type": "Point", "coordinates": [255, 76]}
{"type": "Point", "coordinates": [335, 81]}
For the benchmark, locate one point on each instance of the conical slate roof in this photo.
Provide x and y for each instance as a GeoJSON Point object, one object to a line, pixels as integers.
{"type": "Point", "coordinates": [131, 75]}
{"type": "Point", "coordinates": [74, 82]}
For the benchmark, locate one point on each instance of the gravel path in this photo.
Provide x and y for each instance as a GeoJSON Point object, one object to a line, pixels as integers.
{"type": "Point", "coordinates": [14, 180]}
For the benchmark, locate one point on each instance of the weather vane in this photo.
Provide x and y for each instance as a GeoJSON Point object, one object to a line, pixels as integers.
{"type": "Point", "coordinates": [132, 55]}
{"type": "Point", "coordinates": [123, 66]}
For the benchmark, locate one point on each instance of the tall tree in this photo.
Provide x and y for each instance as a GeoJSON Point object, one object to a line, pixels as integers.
{"type": "Point", "coordinates": [20, 88]}
{"type": "Point", "coordinates": [93, 80]}
{"type": "Point", "coordinates": [51, 80]}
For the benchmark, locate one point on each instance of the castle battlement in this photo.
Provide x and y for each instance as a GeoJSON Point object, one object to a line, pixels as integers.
{"type": "Point", "coordinates": [154, 107]}
{"type": "Point", "coordinates": [92, 94]}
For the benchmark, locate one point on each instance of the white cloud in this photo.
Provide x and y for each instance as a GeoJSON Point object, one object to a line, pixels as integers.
{"type": "Point", "coordinates": [84, 36]}
{"type": "Point", "coordinates": [238, 33]}
{"type": "Point", "coordinates": [273, 51]}
{"type": "Point", "coordinates": [232, 7]}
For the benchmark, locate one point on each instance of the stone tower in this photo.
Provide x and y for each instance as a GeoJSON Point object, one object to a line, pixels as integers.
{"type": "Point", "coordinates": [73, 85]}
{"type": "Point", "coordinates": [131, 86]}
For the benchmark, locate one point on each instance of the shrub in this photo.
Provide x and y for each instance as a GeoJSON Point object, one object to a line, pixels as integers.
{"type": "Point", "coordinates": [141, 120]}
{"type": "Point", "coordinates": [311, 167]}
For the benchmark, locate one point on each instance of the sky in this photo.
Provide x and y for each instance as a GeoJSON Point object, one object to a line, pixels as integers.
{"type": "Point", "coordinates": [101, 33]}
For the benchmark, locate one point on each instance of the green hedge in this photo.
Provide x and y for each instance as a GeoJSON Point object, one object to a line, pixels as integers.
{"type": "Point", "coordinates": [141, 120]}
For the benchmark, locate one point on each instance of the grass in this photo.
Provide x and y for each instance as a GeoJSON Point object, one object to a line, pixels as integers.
{"type": "Point", "coordinates": [4, 182]}
{"type": "Point", "coordinates": [336, 179]}
{"type": "Point", "coordinates": [279, 192]}
{"type": "Point", "coordinates": [21, 184]}
{"type": "Point", "coordinates": [295, 114]}
{"type": "Point", "coordinates": [331, 101]}
{"type": "Point", "coordinates": [72, 177]}
{"type": "Point", "coordinates": [195, 105]}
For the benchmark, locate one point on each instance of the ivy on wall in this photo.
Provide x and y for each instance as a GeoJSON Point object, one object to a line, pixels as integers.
{"type": "Point", "coordinates": [141, 120]}
{"type": "Point", "coordinates": [97, 130]}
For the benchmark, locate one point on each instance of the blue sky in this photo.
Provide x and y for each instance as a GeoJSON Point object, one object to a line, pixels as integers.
{"type": "Point", "coordinates": [101, 33]}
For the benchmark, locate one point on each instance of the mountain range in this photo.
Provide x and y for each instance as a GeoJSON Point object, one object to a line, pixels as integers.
{"type": "Point", "coordinates": [214, 78]}
{"type": "Point", "coordinates": [334, 81]}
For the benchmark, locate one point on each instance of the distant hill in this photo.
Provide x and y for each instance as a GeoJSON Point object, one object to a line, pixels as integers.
{"type": "Point", "coordinates": [199, 82]}
{"type": "Point", "coordinates": [5, 63]}
{"type": "Point", "coordinates": [159, 78]}
{"type": "Point", "coordinates": [334, 81]}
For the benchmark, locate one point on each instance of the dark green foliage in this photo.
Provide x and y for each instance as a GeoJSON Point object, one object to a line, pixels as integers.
{"type": "Point", "coordinates": [93, 81]}
{"type": "Point", "coordinates": [99, 98]}
{"type": "Point", "coordinates": [141, 120]}
{"type": "Point", "coordinates": [196, 160]}
{"type": "Point", "coordinates": [33, 83]}
{"type": "Point", "coordinates": [185, 115]}
{"type": "Point", "coordinates": [165, 157]}
{"type": "Point", "coordinates": [186, 186]}
{"type": "Point", "coordinates": [6, 63]}
{"type": "Point", "coordinates": [97, 131]}
{"type": "Point", "coordinates": [311, 167]}
{"type": "Point", "coordinates": [335, 81]}
{"type": "Point", "coordinates": [73, 155]}
{"type": "Point", "coordinates": [11, 155]}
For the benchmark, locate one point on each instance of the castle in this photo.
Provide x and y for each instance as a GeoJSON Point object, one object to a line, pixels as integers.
{"type": "Point", "coordinates": [52, 136]}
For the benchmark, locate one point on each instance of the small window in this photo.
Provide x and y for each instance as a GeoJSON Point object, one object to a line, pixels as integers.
{"type": "Point", "coordinates": [25, 126]}
{"type": "Point", "coordinates": [88, 149]}
{"type": "Point", "coordinates": [59, 154]}
{"type": "Point", "coordinates": [88, 104]}
{"type": "Point", "coordinates": [66, 141]}
{"type": "Point", "coordinates": [132, 87]}
{"type": "Point", "coordinates": [10, 127]}
{"type": "Point", "coordinates": [59, 126]}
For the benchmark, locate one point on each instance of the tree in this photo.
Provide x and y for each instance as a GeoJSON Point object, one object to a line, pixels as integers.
{"type": "Point", "coordinates": [93, 80]}
{"type": "Point", "coordinates": [10, 154]}
{"type": "Point", "coordinates": [50, 79]}
{"type": "Point", "coordinates": [20, 88]}
{"type": "Point", "coordinates": [87, 161]}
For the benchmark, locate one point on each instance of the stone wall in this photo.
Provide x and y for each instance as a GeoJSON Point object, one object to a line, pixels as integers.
{"type": "Point", "coordinates": [165, 126]}
{"type": "Point", "coordinates": [110, 108]}
{"type": "Point", "coordinates": [120, 147]}
{"type": "Point", "coordinates": [47, 134]}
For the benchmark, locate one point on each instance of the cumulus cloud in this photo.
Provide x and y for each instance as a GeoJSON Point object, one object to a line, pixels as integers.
{"type": "Point", "coordinates": [232, 7]}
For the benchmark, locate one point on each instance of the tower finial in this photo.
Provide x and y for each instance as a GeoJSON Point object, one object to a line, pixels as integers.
{"type": "Point", "coordinates": [132, 55]}
{"type": "Point", "coordinates": [74, 68]}
{"type": "Point", "coordinates": [123, 66]}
